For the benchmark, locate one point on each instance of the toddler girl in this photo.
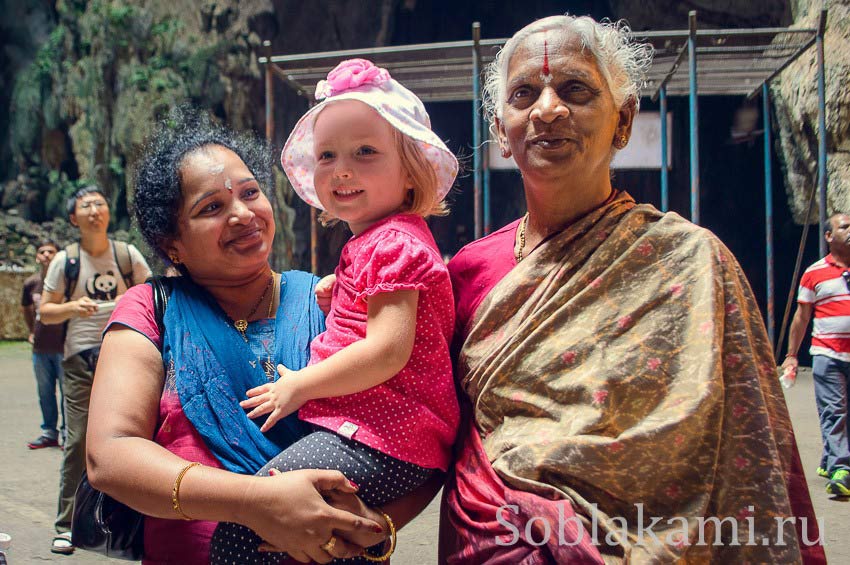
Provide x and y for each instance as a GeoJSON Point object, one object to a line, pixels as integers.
{"type": "Point", "coordinates": [379, 389]}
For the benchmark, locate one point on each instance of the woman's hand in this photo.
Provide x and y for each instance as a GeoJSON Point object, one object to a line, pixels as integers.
{"type": "Point", "coordinates": [281, 398]}
{"type": "Point", "coordinates": [352, 503]}
{"type": "Point", "coordinates": [324, 292]}
{"type": "Point", "coordinates": [289, 512]}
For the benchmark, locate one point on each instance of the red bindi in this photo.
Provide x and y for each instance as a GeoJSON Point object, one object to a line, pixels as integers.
{"type": "Point", "coordinates": [545, 75]}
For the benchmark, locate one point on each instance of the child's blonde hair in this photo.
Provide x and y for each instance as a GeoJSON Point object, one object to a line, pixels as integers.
{"type": "Point", "coordinates": [422, 198]}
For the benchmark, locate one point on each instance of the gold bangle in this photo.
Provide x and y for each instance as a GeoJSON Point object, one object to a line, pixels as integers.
{"type": "Point", "coordinates": [365, 555]}
{"type": "Point", "coordinates": [175, 491]}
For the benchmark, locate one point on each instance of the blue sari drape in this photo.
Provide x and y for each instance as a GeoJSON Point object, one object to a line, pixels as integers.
{"type": "Point", "coordinates": [212, 369]}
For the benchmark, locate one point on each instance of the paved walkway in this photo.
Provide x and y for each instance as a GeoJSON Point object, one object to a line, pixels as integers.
{"type": "Point", "coordinates": [29, 479]}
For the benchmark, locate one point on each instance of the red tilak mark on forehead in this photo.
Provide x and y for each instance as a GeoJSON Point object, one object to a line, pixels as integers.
{"type": "Point", "coordinates": [545, 70]}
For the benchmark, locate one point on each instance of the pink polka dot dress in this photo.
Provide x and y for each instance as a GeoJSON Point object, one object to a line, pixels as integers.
{"type": "Point", "coordinates": [414, 415]}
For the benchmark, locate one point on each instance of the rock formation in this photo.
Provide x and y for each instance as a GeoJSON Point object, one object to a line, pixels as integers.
{"type": "Point", "coordinates": [795, 102]}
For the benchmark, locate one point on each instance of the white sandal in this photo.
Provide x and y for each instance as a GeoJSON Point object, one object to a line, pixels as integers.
{"type": "Point", "coordinates": [62, 544]}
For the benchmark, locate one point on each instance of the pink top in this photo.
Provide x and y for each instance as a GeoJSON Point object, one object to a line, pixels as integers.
{"type": "Point", "coordinates": [414, 415]}
{"type": "Point", "coordinates": [135, 310]}
{"type": "Point", "coordinates": [476, 269]}
{"type": "Point", "coordinates": [479, 266]}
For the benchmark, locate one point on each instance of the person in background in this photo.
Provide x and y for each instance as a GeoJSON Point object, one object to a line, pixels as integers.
{"type": "Point", "coordinates": [46, 341]}
{"type": "Point", "coordinates": [825, 292]}
{"type": "Point", "coordinates": [82, 290]}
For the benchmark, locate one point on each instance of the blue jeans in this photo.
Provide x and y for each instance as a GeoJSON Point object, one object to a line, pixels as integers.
{"type": "Point", "coordinates": [831, 386]}
{"type": "Point", "coordinates": [48, 373]}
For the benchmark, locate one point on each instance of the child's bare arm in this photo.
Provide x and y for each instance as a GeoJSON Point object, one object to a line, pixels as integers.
{"type": "Point", "coordinates": [386, 349]}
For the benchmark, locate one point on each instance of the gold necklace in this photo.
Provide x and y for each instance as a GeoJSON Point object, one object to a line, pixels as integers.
{"type": "Point", "coordinates": [242, 324]}
{"type": "Point", "coordinates": [274, 295]}
{"type": "Point", "coordinates": [268, 366]}
{"type": "Point", "coordinates": [518, 254]}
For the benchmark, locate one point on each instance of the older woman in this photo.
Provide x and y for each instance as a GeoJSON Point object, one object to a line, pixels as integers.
{"type": "Point", "coordinates": [622, 393]}
{"type": "Point", "coordinates": [166, 433]}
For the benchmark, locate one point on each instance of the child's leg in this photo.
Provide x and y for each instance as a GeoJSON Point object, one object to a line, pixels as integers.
{"type": "Point", "coordinates": [381, 479]}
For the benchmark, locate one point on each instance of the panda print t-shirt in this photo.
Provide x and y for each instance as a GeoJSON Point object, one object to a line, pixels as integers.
{"type": "Point", "coordinates": [100, 279]}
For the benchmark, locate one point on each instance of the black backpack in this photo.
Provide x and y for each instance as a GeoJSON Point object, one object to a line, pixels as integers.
{"type": "Point", "coordinates": [120, 249]}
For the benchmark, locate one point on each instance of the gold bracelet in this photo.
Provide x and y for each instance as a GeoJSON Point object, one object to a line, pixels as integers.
{"type": "Point", "coordinates": [365, 555]}
{"type": "Point", "coordinates": [175, 491]}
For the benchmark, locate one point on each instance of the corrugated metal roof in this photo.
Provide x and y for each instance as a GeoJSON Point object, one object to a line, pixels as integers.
{"type": "Point", "coordinates": [729, 62]}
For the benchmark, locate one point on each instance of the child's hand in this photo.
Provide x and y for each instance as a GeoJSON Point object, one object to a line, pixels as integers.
{"type": "Point", "coordinates": [324, 293]}
{"type": "Point", "coordinates": [281, 398]}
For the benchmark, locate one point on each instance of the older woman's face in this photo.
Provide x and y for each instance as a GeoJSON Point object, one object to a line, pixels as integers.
{"type": "Point", "coordinates": [558, 117]}
{"type": "Point", "coordinates": [225, 223]}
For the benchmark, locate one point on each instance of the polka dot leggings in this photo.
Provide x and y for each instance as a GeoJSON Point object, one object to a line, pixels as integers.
{"type": "Point", "coordinates": [381, 479]}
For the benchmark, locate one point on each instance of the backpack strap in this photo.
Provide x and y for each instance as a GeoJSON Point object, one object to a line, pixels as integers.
{"type": "Point", "coordinates": [161, 291]}
{"type": "Point", "coordinates": [121, 250]}
{"type": "Point", "coordinates": [72, 269]}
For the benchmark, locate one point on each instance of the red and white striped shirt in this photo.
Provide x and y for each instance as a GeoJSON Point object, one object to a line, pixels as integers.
{"type": "Point", "coordinates": [823, 286]}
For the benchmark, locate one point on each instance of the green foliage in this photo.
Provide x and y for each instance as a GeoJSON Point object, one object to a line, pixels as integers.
{"type": "Point", "coordinates": [31, 94]}
{"type": "Point", "coordinates": [104, 76]}
{"type": "Point", "coordinates": [119, 16]}
{"type": "Point", "coordinates": [116, 167]}
{"type": "Point", "coordinates": [164, 34]}
{"type": "Point", "coordinates": [60, 189]}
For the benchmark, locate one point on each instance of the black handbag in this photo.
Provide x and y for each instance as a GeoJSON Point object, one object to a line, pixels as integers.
{"type": "Point", "coordinates": [100, 523]}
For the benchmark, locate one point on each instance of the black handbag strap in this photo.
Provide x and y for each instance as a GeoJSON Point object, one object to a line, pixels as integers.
{"type": "Point", "coordinates": [161, 291]}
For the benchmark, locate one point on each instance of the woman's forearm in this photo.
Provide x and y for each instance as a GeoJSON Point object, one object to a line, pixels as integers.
{"type": "Point", "coordinates": [142, 474]}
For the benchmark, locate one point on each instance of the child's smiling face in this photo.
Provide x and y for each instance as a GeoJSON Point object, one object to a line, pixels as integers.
{"type": "Point", "coordinates": [359, 176]}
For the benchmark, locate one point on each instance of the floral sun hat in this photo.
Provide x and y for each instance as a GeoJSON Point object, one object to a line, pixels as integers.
{"type": "Point", "coordinates": [359, 79]}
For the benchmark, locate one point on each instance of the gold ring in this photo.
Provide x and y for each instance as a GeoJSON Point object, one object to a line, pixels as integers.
{"type": "Point", "coordinates": [328, 546]}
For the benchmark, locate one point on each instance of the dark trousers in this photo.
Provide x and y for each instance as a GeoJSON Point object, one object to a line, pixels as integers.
{"type": "Point", "coordinates": [831, 384]}
{"type": "Point", "coordinates": [77, 380]}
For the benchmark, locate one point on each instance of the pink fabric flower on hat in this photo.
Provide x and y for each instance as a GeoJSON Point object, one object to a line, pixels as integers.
{"type": "Point", "coordinates": [351, 74]}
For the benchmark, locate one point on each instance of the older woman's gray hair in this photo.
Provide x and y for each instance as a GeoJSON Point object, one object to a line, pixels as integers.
{"type": "Point", "coordinates": [622, 61]}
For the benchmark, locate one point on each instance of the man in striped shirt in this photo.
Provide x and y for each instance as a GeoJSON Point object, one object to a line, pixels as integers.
{"type": "Point", "coordinates": [825, 291]}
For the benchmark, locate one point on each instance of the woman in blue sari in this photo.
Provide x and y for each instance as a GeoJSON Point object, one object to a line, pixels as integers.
{"type": "Point", "coordinates": [166, 433]}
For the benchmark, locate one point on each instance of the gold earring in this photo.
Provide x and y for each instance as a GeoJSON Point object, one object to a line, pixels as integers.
{"type": "Point", "coordinates": [173, 258]}
{"type": "Point", "coordinates": [621, 142]}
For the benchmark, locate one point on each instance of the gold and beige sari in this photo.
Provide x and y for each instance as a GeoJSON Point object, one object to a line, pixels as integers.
{"type": "Point", "coordinates": [623, 369]}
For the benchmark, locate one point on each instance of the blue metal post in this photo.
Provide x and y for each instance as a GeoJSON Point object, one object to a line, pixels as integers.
{"type": "Point", "coordinates": [485, 149]}
{"type": "Point", "coordinates": [821, 133]}
{"type": "Point", "coordinates": [768, 206]}
{"type": "Point", "coordinates": [665, 195]}
{"type": "Point", "coordinates": [476, 129]}
{"type": "Point", "coordinates": [692, 108]}
{"type": "Point", "coordinates": [485, 164]}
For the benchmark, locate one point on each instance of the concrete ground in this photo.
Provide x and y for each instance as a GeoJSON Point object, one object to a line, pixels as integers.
{"type": "Point", "coordinates": [29, 479]}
